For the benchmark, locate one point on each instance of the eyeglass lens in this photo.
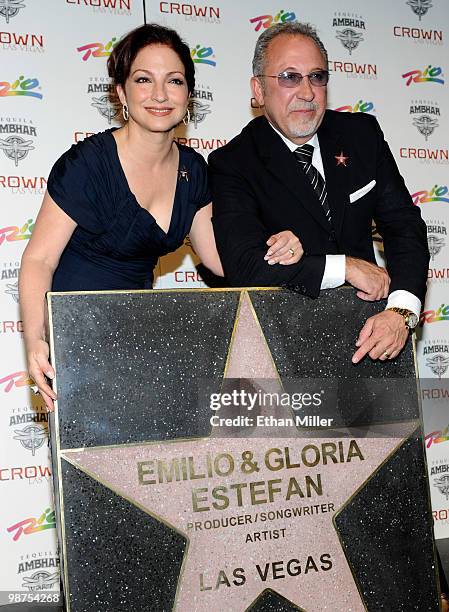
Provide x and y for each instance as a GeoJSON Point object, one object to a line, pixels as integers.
{"type": "Point", "coordinates": [293, 79]}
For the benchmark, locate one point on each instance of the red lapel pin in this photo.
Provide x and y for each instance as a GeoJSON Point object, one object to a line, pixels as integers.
{"type": "Point", "coordinates": [341, 159]}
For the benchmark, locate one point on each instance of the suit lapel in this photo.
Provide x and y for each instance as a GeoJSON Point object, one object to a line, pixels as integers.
{"type": "Point", "coordinates": [337, 175]}
{"type": "Point", "coordinates": [281, 163]}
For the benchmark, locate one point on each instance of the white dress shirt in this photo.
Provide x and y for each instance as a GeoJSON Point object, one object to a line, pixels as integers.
{"type": "Point", "coordinates": [335, 268]}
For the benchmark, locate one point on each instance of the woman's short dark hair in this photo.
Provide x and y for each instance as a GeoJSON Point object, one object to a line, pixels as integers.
{"type": "Point", "coordinates": [125, 52]}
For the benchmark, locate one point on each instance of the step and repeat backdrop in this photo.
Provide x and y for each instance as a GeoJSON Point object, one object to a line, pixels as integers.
{"type": "Point", "coordinates": [387, 59]}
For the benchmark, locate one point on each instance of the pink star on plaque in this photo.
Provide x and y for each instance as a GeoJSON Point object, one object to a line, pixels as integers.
{"type": "Point", "coordinates": [342, 159]}
{"type": "Point", "coordinates": [188, 484]}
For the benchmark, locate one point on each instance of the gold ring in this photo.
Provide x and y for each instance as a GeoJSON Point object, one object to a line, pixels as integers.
{"type": "Point", "coordinates": [291, 251]}
{"type": "Point", "coordinates": [386, 355]}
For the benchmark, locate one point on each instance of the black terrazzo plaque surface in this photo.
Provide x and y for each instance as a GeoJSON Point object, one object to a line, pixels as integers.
{"type": "Point", "coordinates": [128, 365]}
{"type": "Point", "coordinates": [270, 601]}
{"type": "Point", "coordinates": [128, 368]}
{"type": "Point", "coordinates": [121, 559]}
{"type": "Point", "coordinates": [387, 536]}
{"type": "Point", "coordinates": [316, 339]}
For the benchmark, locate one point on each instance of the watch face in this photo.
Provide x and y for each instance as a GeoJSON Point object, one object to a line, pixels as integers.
{"type": "Point", "coordinates": [412, 320]}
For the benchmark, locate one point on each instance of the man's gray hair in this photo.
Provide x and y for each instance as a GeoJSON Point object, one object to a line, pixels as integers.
{"type": "Point", "coordinates": [292, 29]}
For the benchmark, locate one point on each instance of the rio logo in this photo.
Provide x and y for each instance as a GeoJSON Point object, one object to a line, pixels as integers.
{"type": "Point", "coordinates": [16, 379]}
{"type": "Point", "coordinates": [12, 233]}
{"type": "Point", "coordinates": [359, 107]}
{"type": "Point", "coordinates": [33, 525]}
{"type": "Point", "coordinates": [202, 55]}
{"type": "Point", "coordinates": [97, 49]}
{"type": "Point", "coordinates": [433, 316]}
{"type": "Point", "coordinates": [436, 194]}
{"type": "Point", "coordinates": [424, 76]}
{"type": "Point", "coordinates": [266, 21]}
{"type": "Point", "coordinates": [436, 437]}
{"type": "Point", "coordinates": [21, 87]}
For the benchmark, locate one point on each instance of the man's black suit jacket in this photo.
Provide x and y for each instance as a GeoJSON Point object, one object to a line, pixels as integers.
{"type": "Point", "coordinates": [258, 189]}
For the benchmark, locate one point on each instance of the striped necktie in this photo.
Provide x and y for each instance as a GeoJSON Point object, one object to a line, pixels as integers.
{"type": "Point", "coordinates": [304, 155]}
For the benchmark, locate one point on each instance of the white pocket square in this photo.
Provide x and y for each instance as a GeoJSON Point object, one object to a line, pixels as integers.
{"type": "Point", "coordinates": [353, 197]}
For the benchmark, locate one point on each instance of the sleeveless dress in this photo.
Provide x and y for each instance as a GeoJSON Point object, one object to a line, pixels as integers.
{"type": "Point", "coordinates": [117, 243]}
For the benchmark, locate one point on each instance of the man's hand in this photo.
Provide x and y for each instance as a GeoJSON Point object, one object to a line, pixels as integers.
{"type": "Point", "coordinates": [372, 281]}
{"type": "Point", "coordinates": [284, 248]}
{"type": "Point", "coordinates": [382, 337]}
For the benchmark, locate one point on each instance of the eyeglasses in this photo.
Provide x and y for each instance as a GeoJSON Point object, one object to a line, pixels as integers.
{"type": "Point", "coordinates": [319, 78]}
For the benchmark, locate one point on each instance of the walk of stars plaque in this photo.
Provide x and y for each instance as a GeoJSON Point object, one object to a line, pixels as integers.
{"type": "Point", "coordinates": [216, 450]}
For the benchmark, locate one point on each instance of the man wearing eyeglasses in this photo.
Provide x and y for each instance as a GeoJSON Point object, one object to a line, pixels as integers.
{"type": "Point", "coordinates": [324, 176]}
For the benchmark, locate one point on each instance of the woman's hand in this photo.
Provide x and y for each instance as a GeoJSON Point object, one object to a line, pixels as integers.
{"type": "Point", "coordinates": [285, 249]}
{"type": "Point", "coordinates": [39, 369]}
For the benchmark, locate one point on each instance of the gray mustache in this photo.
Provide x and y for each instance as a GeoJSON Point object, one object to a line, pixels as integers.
{"type": "Point", "coordinates": [309, 106]}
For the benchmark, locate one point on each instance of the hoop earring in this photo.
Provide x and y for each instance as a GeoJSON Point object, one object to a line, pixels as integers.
{"type": "Point", "coordinates": [125, 112]}
{"type": "Point", "coordinates": [186, 119]}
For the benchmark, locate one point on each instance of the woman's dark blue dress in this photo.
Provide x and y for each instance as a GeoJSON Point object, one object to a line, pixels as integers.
{"type": "Point", "coordinates": [117, 243]}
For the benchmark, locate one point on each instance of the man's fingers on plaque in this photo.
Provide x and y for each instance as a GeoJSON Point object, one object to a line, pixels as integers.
{"type": "Point", "coordinates": [365, 348]}
{"type": "Point", "coordinates": [367, 297]}
{"type": "Point", "coordinates": [386, 354]}
{"type": "Point", "coordinates": [378, 351]}
{"type": "Point", "coordinates": [365, 332]}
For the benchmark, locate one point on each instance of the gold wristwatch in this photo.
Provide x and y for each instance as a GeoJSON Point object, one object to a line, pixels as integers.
{"type": "Point", "coordinates": [410, 319]}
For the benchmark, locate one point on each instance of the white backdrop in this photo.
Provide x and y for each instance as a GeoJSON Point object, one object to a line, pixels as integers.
{"type": "Point", "coordinates": [389, 59]}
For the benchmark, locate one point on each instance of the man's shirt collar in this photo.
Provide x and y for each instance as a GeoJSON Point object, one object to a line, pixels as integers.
{"type": "Point", "coordinates": [291, 145]}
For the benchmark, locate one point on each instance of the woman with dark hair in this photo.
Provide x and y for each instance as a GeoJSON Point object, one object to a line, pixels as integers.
{"type": "Point", "coordinates": [121, 198]}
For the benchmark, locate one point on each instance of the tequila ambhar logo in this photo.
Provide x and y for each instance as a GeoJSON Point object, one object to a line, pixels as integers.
{"type": "Point", "coordinates": [21, 87]}
{"type": "Point", "coordinates": [437, 437]}
{"type": "Point", "coordinates": [359, 107]}
{"type": "Point", "coordinates": [349, 36]}
{"type": "Point", "coordinates": [14, 145]}
{"type": "Point", "coordinates": [420, 7]}
{"type": "Point", "coordinates": [44, 561]}
{"type": "Point", "coordinates": [436, 237]}
{"type": "Point", "coordinates": [12, 233]}
{"type": "Point", "coordinates": [201, 54]}
{"type": "Point", "coordinates": [442, 484]}
{"type": "Point", "coordinates": [32, 525]}
{"type": "Point", "coordinates": [10, 272]}
{"type": "Point", "coordinates": [41, 581]}
{"type": "Point", "coordinates": [16, 148]}
{"type": "Point", "coordinates": [436, 354]}
{"type": "Point", "coordinates": [426, 120]}
{"type": "Point", "coordinates": [438, 364]}
{"type": "Point", "coordinates": [97, 49]}
{"type": "Point", "coordinates": [434, 316]}
{"type": "Point", "coordinates": [266, 21]}
{"type": "Point", "coordinates": [32, 437]}
{"type": "Point", "coordinates": [428, 75]}
{"type": "Point", "coordinates": [107, 106]}
{"type": "Point", "coordinates": [199, 105]}
{"type": "Point", "coordinates": [10, 8]}
{"type": "Point", "coordinates": [198, 111]}
{"type": "Point", "coordinates": [12, 289]}
{"type": "Point", "coordinates": [440, 468]}
{"type": "Point", "coordinates": [107, 109]}
{"type": "Point", "coordinates": [436, 194]}
{"type": "Point", "coordinates": [425, 124]}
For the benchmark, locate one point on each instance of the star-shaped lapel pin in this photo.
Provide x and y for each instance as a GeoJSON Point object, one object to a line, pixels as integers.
{"type": "Point", "coordinates": [341, 159]}
{"type": "Point", "coordinates": [258, 510]}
